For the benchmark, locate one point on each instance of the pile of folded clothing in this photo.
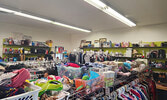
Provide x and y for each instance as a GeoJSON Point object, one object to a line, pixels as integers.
{"type": "Point", "coordinates": [13, 83]}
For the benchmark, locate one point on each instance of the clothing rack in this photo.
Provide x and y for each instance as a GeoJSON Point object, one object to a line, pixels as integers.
{"type": "Point", "coordinates": [33, 63]}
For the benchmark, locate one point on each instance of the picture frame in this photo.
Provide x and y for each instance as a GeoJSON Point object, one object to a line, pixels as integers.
{"type": "Point", "coordinates": [102, 40]}
{"type": "Point", "coordinates": [87, 43]}
{"type": "Point", "coordinates": [96, 41]}
{"type": "Point", "coordinates": [82, 43]}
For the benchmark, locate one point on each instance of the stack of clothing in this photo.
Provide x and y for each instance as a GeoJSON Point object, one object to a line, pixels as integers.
{"type": "Point", "coordinates": [12, 83]}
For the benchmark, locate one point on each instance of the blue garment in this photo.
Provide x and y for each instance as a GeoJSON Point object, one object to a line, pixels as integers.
{"type": "Point", "coordinates": [137, 97]}
{"type": "Point", "coordinates": [93, 75]}
{"type": "Point", "coordinates": [128, 97]}
{"type": "Point", "coordinates": [142, 97]}
{"type": "Point", "coordinates": [127, 65]}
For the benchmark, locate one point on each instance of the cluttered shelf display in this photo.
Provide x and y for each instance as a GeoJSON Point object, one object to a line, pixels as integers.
{"type": "Point", "coordinates": [87, 75]}
{"type": "Point", "coordinates": [20, 50]}
{"type": "Point", "coordinates": [154, 52]}
{"type": "Point", "coordinates": [148, 50]}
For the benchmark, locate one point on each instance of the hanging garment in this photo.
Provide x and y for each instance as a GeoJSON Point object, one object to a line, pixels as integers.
{"type": "Point", "coordinates": [72, 58]}
{"type": "Point", "coordinates": [77, 58]}
{"type": "Point", "coordinates": [87, 58]}
{"type": "Point", "coordinates": [152, 88]}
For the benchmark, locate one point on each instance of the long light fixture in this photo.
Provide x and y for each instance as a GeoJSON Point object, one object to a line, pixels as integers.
{"type": "Point", "coordinates": [102, 6]}
{"type": "Point", "coordinates": [42, 19]}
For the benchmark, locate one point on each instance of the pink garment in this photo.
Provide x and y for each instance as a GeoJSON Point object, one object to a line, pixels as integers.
{"type": "Point", "coordinates": [57, 77]}
{"type": "Point", "coordinates": [73, 65]}
{"type": "Point", "coordinates": [20, 78]}
{"type": "Point", "coordinates": [124, 74]}
{"type": "Point", "coordinates": [124, 97]}
{"type": "Point", "coordinates": [131, 97]}
{"type": "Point", "coordinates": [52, 77]}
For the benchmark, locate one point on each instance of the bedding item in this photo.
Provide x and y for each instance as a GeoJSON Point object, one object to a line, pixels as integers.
{"type": "Point", "coordinates": [70, 72]}
{"type": "Point", "coordinates": [93, 75]}
{"type": "Point", "coordinates": [22, 75]}
{"type": "Point", "coordinates": [73, 65]}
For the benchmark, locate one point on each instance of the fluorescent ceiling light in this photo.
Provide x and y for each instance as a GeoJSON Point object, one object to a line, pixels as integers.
{"type": "Point", "coordinates": [102, 6]}
{"type": "Point", "coordinates": [41, 19]}
{"type": "Point", "coordinates": [72, 27]}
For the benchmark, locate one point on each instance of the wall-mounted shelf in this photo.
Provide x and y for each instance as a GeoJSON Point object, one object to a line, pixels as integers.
{"type": "Point", "coordinates": [159, 70]}
{"type": "Point", "coordinates": [26, 46]}
{"type": "Point", "coordinates": [140, 58]}
{"type": "Point", "coordinates": [24, 54]}
{"type": "Point", "coordinates": [117, 47]}
{"type": "Point", "coordinates": [161, 87]}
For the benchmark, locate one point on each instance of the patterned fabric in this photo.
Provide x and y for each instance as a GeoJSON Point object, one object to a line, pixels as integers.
{"type": "Point", "coordinates": [9, 91]}
{"type": "Point", "coordinates": [70, 72]}
{"type": "Point", "coordinates": [22, 75]}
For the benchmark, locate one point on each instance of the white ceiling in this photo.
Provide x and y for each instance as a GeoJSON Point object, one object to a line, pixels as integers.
{"type": "Point", "coordinates": [81, 14]}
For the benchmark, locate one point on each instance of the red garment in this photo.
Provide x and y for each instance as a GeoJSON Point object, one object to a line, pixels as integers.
{"type": "Point", "coordinates": [20, 78]}
{"type": "Point", "coordinates": [135, 93]}
{"type": "Point", "coordinates": [131, 97]}
{"type": "Point", "coordinates": [73, 65]}
{"type": "Point", "coordinates": [124, 97]}
{"type": "Point", "coordinates": [152, 88]}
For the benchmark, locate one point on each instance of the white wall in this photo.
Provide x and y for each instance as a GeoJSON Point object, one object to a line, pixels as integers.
{"type": "Point", "coordinates": [59, 39]}
{"type": "Point", "coordinates": [72, 41]}
{"type": "Point", "coordinates": [144, 33]}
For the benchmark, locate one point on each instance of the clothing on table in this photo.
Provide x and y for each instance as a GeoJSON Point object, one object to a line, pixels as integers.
{"type": "Point", "coordinates": [9, 91]}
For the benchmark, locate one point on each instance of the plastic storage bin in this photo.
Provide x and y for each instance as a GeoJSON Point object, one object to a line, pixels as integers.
{"type": "Point", "coordinates": [31, 95]}
{"type": "Point", "coordinates": [65, 97]}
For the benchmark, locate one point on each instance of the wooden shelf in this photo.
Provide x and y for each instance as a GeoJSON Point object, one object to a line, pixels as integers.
{"type": "Point", "coordinates": [141, 58]}
{"type": "Point", "coordinates": [159, 70]}
{"type": "Point", "coordinates": [161, 87]}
